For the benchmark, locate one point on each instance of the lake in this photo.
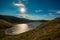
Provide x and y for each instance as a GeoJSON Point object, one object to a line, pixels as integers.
{"type": "Point", "coordinates": [21, 28]}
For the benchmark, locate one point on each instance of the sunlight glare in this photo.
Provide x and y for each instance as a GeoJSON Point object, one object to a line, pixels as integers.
{"type": "Point", "coordinates": [22, 9]}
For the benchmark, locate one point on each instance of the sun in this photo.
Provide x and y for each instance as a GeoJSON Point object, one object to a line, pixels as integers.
{"type": "Point", "coordinates": [22, 10]}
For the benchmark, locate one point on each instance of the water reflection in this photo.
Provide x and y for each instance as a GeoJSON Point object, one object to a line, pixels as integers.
{"type": "Point", "coordinates": [17, 29]}
{"type": "Point", "coordinates": [21, 28]}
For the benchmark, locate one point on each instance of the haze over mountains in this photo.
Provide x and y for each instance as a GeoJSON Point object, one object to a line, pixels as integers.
{"type": "Point", "coordinates": [13, 19]}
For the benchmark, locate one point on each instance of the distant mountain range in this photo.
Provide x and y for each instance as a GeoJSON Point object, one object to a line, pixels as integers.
{"type": "Point", "coordinates": [47, 31]}
{"type": "Point", "coordinates": [13, 19]}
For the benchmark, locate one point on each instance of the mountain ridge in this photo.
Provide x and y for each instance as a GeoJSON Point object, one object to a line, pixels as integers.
{"type": "Point", "coordinates": [13, 19]}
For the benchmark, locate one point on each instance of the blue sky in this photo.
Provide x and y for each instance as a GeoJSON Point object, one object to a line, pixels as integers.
{"type": "Point", "coordinates": [35, 9]}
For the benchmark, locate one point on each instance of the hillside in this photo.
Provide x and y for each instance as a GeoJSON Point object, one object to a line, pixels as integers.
{"type": "Point", "coordinates": [47, 31]}
{"type": "Point", "coordinates": [13, 19]}
{"type": "Point", "coordinates": [4, 24]}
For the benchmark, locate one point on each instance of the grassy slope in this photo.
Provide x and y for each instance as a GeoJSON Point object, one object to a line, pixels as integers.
{"type": "Point", "coordinates": [3, 25]}
{"type": "Point", "coordinates": [47, 31]}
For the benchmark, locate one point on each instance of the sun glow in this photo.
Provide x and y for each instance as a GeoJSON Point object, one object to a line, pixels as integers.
{"type": "Point", "coordinates": [22, 10]}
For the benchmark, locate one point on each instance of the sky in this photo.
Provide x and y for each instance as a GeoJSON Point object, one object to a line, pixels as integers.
{"type": "Point", "coordinates": [31, 9]}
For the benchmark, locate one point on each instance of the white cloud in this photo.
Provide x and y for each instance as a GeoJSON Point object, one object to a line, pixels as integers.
{"type": "Point", "coordinates": [29, 16]}
{"type": "Point", "coordinates": [37, 17]}
{"type": "Point", "coordinates": [38, 10]}
{"type": "Point", "coordinates": [51, 14]}
{"type": "Point", "coordinates": [18, 4]}
{"type": "Point", "coordinates": [58, 12]}
{"type": "Point", "coordinates": [25, 0]}
{"type": "Point", "coordinates": [52, 10]}
{"type": "Point", "coordinates": [45, 15]}
{"type": "Point", "coordinates": [22, 15]}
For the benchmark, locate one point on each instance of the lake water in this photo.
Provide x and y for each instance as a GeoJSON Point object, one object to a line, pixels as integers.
{"type": "Point", "coordinates": [21, 28]}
